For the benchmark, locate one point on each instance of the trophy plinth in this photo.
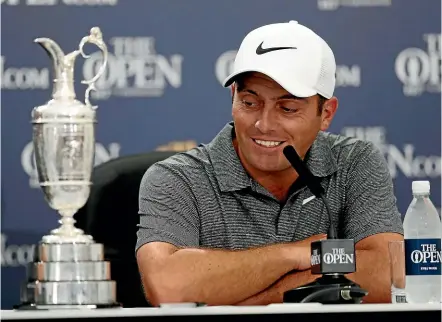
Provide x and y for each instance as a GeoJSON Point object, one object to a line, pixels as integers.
{"type": "Point", "coordinates": [68, 275]}
{"type": "Point", "coordinates": [68, 269]}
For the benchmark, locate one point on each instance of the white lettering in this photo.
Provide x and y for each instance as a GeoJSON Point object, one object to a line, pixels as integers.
{"type": "Point", "coordinates": [403, 161]}
{"type": "Point", "coordinates": [15, 255]}
{"type": "Point", "coordinates": [421, 257]}
{"type": "Point", "coordinates": [133, 46]}
{"type": "Point", "coordinates": [335, 4]}
{"type": "Point", "coordinates": [420, 70]}
{"type": "Point", "coordinates": [41, 2]}
{"type": "Point", "coordinates": [399, 160]}
{"type": "Point", "coordinates": [434, 50]}
{"type": "Point", "coordinates": [366, 3]}
{"type": "Point", "coordinates": [315, 260]}
{"type": "Point", "coordinates": [411, 165]}
{"type": "Point", "coordinates": [171, 71]}
{"type": "Point", "coordinates": [10, 2]}
{"type": "Point", "coordinates": [328, 258]}
{"type": "Point", "coordinates": [134, 69]}
{"type": "Point", "coordinates": [224, 65]}
{"type": "Point", "coordinates": [328, 4]}
{"type": "Point", "coordinates": [433, 42]}
{"type": "Point", "coordinates": [91, 2]}
{"type": "Point", "coordinates": [65, 2]}
{"type": "Point", "coordinates": [412, 67]}
{"type": "Point", "coordinates": [338, 258]}
{"type": "Point", "coordinates": [427, 254]}
{"type": "Point", "coordinates": [348, 76]}
{"type": "Point", "coordinates": [24, 77]}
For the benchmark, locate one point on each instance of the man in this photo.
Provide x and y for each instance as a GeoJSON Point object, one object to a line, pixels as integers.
{"type": "Point", "coordinates": [230, 223]}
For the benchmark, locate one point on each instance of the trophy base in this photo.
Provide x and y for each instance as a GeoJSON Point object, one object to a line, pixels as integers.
{"type": "Point", "coordinates": [69, 252]}
{"type": "Point", "coordinates": [68, 275]}
{"type": "Point", "coordinates": [69, 271]}
{"type": "Point", "coordinates": [69, 293]}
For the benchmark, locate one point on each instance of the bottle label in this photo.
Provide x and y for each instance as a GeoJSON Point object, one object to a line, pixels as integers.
{"type": "Point", "coordinates": [423, 256]}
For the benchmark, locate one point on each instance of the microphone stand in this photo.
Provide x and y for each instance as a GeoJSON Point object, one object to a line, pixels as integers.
{"type": "Point", "coordinates": [327, 289]}
{"type": "Point", "coordinates": [333, 287]}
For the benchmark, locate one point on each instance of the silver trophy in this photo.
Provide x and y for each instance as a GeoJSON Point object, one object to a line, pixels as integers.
{"type": "Point", "coordinates": [68, 269]}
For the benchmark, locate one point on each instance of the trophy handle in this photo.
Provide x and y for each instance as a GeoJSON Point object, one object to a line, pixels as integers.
{"type": "Point", "coordinates": [95, 38]}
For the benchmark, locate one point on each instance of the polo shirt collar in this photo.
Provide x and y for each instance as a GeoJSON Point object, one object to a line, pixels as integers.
{"type": "Point", "coordinates": [320, 158]}
{"type": "Point", "coordinates": [228, 168]}
{"type": "Point", "coordinates": [231, 174]}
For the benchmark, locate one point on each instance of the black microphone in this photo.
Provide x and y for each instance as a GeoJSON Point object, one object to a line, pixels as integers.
{"type": "Point", "coordinates": [332, 257]}
{"type": "Point", "coordinates": [312, 183]}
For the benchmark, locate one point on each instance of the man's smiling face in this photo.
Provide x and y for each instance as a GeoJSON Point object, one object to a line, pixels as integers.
{"type": "Point", "coordinates": [267, 118]}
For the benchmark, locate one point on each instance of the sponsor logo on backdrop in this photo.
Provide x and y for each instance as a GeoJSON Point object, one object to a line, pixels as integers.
{"type": "Point", "coordinates": [134, 69]}
{"type": "Point", "coordinates": [102, 154]}
{"type": "Point", "coordinates": [329, 5]}
{"type": "Point", "coordinates": [10, 2]}
{"type": "Point", "coordinates": [224, 65]}
{"type": "Point", "coordinates": [405, 159]}
{"type": "Point", "coordinates": [15, 255]}
{"type": "Point", "coordinates": [23, 77]}
{"type": "Point", "coordinates": [60, 2]}
{"type": "Point", "coordinates": [346, 75]}
{"type": "Point", "coordinates": [419, 69]}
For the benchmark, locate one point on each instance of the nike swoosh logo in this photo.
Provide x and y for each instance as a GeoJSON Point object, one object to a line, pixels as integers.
{"type": "Point", "coordinates": [308, 200]}
{"type": "Point", "coordinates": [260, 50]}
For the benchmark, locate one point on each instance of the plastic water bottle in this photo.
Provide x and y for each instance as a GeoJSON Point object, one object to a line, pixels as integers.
{"type": "Point", "coordinates": [422, 235]}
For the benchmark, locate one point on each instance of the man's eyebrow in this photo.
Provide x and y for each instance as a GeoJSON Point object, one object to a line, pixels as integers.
{"type": "Point", "coordinates": [248, 91]}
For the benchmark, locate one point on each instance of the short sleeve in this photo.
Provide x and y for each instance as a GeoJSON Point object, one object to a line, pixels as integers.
{"type": "Point", "coordinates": [370, 201]}
{"type": "Point", "coordinates": [167, 208]}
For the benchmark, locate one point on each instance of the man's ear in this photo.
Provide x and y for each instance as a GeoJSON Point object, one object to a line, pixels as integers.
{"type": "Point", "coordinates": [232, 90]}
{"type": "Point", "coordinates": [328, 112]}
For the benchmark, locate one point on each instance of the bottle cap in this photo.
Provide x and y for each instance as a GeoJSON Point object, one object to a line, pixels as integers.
{"type": "Point", "coordinates": [421, 186]}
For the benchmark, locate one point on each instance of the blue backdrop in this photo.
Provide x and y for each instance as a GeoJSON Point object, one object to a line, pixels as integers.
{"type": "Point", "coordinates": [162, 87]}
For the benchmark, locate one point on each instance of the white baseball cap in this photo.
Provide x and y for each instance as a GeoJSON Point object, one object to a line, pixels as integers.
{"type": "Point", "coordinates": [292, 55]}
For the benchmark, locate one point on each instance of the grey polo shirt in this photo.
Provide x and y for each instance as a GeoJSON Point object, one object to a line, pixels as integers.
{"type": "Point", "coordinates": [204, 197]}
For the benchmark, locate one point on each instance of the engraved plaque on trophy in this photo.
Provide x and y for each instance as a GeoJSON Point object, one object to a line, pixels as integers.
{"type": "Point", "coordinates": [68, 270]}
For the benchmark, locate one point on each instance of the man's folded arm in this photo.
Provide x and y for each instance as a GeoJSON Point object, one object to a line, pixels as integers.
{"type": "Point", "coordinates": [371, 258]}
{"type": "Point", "coordinates": [175, 269]}
{"type": "Point", "coordinates": [370, 217]}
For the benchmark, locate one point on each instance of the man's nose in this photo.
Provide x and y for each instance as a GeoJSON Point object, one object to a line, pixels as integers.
{"type": "Point", "coordinates": [266, 121]}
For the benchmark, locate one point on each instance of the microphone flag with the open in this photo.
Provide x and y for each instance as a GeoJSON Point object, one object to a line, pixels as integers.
{"type": "Point", "coordinates": [332, 257]}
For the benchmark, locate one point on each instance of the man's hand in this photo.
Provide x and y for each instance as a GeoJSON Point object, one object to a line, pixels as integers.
{"type": "Point", "coordinates": [373, 267]}
{"type": "Point", "coordinates": [293, 279]}
{"type": "Point", "coordinates": [305, 250]}
{"type": "Point", "coordinates": [275, 293]}
{"type": "Point", "coordinates": [170, 274]}
{"type": "Point", "coordinates": [372, 274]}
